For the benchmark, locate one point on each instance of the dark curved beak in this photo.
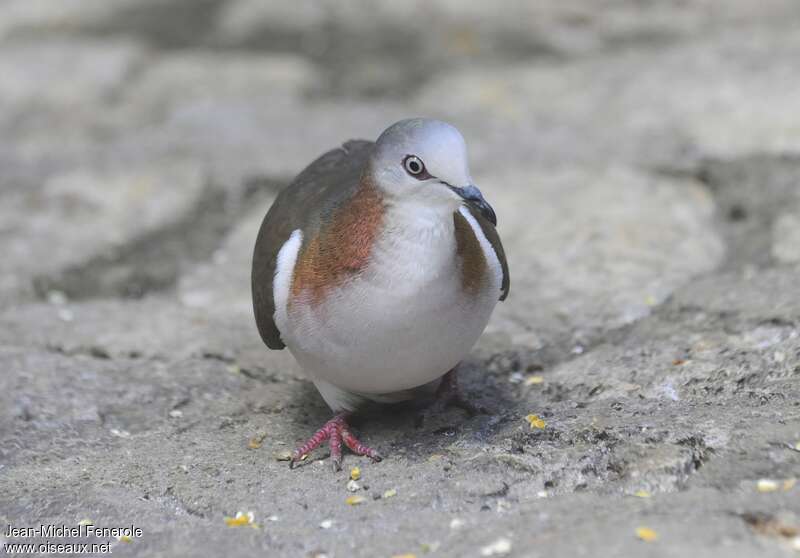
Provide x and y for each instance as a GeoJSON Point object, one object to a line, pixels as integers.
{"type": "Point", "coordinates": [474, 197]}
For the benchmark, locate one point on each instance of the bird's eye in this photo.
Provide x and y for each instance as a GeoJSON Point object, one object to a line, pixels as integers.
{"type": "Point", "coordinates": [414, 165]}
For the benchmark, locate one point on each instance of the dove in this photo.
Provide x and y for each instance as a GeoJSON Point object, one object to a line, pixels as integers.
{"type": "Point", "coordinates": [378, 268]}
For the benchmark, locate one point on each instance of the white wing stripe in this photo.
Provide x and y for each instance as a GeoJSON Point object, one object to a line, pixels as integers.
{"type": "Point", "coordinates": [488, 251]}
{"type": "Point", "coordinates": [282, 282]}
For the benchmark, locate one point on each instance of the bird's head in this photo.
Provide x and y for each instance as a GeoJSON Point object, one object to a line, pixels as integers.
{"type": "Point", "coordinates": [425, 161]}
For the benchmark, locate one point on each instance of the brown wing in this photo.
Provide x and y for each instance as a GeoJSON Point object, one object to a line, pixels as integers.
{"type": "Point", "coordinates": [494, 239]}
{"type": "Point", "coordinates": [321, 187]}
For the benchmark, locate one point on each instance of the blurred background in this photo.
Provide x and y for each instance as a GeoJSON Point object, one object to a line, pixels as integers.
{"type": "Point", "coordinates": [642, 157]}
{"type": "Point", "coordinates": [137, 134]}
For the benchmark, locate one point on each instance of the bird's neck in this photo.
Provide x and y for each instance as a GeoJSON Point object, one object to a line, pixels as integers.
{"type": "Point", "coordinates": [418, 221]}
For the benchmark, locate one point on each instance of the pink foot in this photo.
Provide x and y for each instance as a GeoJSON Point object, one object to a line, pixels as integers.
{"type": "Point", "coordinates": [337, 431]}
{"type": "Point", "coordinates": [448, 394]}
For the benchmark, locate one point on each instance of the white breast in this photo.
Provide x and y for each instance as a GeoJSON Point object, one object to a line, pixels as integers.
{"type": "Point", "coordinates": [404, 321]}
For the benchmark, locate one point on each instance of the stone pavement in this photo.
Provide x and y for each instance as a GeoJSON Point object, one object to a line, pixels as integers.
{"type": "Point", "coordinates": [644, 162]}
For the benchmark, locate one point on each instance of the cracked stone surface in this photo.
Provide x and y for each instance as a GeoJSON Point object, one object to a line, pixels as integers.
{"type": "Point", "coordinates": [721, 102]}
{"type": "Point", "coordinates": [643, 161]}
{"type": "Point", "coordinates": [599, 246]}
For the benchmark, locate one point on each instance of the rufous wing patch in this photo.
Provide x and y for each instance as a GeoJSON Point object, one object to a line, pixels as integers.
{"type": "Point", "coordinates": [474, 268]}
{"type": "Point", "coordinates": [341, 248]}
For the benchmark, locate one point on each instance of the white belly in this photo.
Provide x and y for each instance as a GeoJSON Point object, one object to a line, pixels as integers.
{"type": "Point", "coordinates": [403, 322]}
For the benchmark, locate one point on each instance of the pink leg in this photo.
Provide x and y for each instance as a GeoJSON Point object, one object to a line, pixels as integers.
{"type": "Point", "coordinates": [449, 394]}
{"type": "Point", "coordinates": [336, 430]}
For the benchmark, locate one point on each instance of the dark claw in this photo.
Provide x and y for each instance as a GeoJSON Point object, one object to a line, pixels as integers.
{"type": "Point", "coordinates": [376, 458]}
{"type": "Point", "coordinates": [337, 465]}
